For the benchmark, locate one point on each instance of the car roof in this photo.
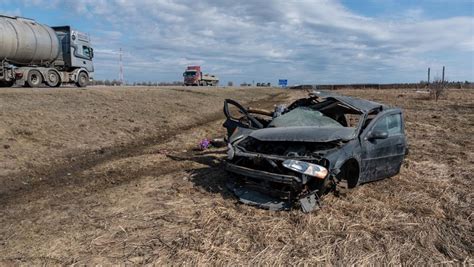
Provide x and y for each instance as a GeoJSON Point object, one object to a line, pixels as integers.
{"type": "Point", "coordinates": [360, 104]}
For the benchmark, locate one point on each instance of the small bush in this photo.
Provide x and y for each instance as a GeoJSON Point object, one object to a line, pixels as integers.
{"type": "Point", "coordinates": [437, 89]}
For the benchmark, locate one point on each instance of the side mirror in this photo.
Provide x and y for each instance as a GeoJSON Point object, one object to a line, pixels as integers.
{"type": "Point", "coordinates": [378, 135]}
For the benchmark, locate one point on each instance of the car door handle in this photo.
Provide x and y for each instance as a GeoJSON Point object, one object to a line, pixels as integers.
{"type": "Point", "coordinates": [401, 144]}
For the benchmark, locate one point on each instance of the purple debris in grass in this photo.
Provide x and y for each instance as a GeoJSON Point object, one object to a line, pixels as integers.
{"type": "Point", "coordinates": [204, 144]}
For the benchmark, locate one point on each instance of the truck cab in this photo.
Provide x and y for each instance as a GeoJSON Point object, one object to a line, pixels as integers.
{"type": "Point", "coordinates": [192, 76]}
{"type": "Point", "coordinates": [76, 53]}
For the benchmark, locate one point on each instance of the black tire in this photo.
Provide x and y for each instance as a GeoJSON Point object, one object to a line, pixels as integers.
{"type": "Point", "coordinates": [82, 79]}
{"type": "Point", "coordinates": [34, 79]}
{"type": "Point", "coordinates": [350, 173]}
{"type": "Point", "coordinates": [7, 83]}
{"type": "Point", "coordinates": [53, 79]}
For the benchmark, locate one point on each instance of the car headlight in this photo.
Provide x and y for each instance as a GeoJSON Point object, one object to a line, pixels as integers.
{"type": "Point", "coordinates": [306, 168]}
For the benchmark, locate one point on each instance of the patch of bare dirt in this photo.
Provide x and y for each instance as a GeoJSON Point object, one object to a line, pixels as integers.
{"type": "Point", "coordinates": [62, 129]}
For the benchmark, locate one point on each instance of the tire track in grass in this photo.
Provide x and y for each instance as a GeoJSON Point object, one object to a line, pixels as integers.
{"type": "Point", "coordinates": [70, 172]}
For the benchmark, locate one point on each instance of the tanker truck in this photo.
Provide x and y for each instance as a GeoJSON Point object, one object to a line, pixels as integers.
{"type": "Point", "coordinates": [34, 54]}
{"type": "Point", "coordinates": [193, 76]}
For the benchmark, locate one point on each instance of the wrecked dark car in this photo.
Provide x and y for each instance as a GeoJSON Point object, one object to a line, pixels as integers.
{"type": "Point", "coordinates": [293, 155]}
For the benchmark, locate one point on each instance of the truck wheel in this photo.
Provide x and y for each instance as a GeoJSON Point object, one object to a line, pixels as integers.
{"type": "Point", "coordinates": [82, 79]}
{"type": "Point", "coordinates": [7, 83]}
{"type": "Point", "coordinates": [53, 79]}
{"type": "Point", "coordinates": [34, 78]}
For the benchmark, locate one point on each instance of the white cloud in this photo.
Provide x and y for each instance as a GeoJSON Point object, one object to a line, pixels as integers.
{"type": "Point", "coordinates": [307, 41]}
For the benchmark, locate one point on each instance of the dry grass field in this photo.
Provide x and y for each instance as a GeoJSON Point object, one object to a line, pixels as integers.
{"type": "Point", "coordinates": [111, 176]}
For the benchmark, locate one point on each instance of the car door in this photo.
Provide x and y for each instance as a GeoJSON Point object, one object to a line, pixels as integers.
{"type": "Point", "coordinates": [382, 157]}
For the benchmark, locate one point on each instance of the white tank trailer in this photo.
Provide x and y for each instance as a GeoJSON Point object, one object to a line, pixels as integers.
{"type": "Point", "coordinates": [33, 54]}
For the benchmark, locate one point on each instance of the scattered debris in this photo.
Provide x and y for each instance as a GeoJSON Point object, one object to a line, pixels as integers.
{"type": "Point", "coordinates": [218, 142]}
{"type": "Point", "coordinates": [204, 144]}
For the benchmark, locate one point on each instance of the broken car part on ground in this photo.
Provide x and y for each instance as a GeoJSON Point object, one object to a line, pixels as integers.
{"type": "Point", "coordinates": [295, 154]}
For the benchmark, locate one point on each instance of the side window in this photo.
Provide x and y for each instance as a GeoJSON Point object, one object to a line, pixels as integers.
{"type": "Point", "coordinates": [391, 124]}
{"type": "Point", "coordinates": [381, 125]}
{"type": "Point", "coordinates": [86, 51]}
{"type": "Point", "coordinates": [370, 117]}
{"type": "Point", "coordinates": [394, 124]}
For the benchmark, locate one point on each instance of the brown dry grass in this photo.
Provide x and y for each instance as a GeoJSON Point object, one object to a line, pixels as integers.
{"type": "Point", "coordinates": [148, 197]}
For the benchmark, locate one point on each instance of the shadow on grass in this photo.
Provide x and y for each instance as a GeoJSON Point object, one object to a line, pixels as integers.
{"type": "Point", "coordinates": [211, 178]}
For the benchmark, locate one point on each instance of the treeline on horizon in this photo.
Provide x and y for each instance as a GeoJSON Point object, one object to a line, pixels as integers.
{"type": "Point", "coordinates": [421, 84]}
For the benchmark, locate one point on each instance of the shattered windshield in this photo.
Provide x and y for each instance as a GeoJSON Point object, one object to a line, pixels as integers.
{"type": "Point", "coordinates": [304, 116]}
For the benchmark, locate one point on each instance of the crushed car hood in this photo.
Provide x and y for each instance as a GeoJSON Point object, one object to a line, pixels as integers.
{"type": "Point", "coordinates": [304, 134]}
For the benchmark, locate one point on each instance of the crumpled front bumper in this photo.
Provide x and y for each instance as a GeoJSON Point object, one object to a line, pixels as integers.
{"type": "Point", "coordinates": [258, 189]}
{"type": "Point", "coordinates": [262, 175]}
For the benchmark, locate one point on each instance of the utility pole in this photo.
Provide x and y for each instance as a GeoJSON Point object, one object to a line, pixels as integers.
{"type": "Point", "coordinates": [428, 75]}
{"type": "Point", "coordinates": [121, 68]}
{"type": "Point", "coordinates": [442, 79]}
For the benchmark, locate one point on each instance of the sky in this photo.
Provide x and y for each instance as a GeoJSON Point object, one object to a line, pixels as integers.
{"type": "Point", "coordinates": [304, 41]}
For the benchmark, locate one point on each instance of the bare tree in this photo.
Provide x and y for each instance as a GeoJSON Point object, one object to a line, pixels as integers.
{"type": "Point", "coordinates": [437, 88]}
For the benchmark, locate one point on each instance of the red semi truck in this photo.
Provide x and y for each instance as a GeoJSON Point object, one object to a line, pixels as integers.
{"type": "Point", "coordinates": [193, 76]}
